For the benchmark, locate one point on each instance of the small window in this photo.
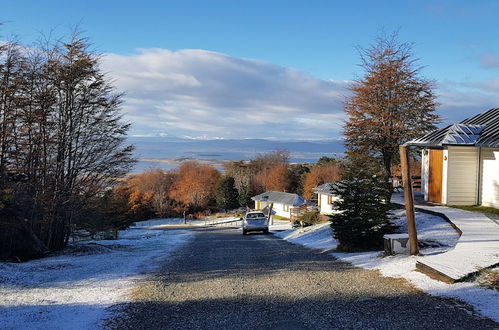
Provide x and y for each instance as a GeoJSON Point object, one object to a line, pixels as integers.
{"type": "Point", "coordinates": [330, 199]}
{"type": "Point", "coordinates": [286, 208]}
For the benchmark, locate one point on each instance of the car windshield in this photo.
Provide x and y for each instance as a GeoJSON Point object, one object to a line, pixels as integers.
{"type": "Point", "coordinates": [255, 215]}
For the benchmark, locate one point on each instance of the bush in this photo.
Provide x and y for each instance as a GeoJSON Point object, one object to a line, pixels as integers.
{"type": "Point", "coordinates": [362, 217]}
{"type": "Point", "coordinates": [201, 214]}
{"type": "Point", "coordinates": [489, 279]}
{"type": "Point", "coordinates": [310, 218]}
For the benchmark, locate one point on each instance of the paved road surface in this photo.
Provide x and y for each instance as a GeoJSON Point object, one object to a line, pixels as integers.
{"type": "Point", "coordinates": [224, 280]}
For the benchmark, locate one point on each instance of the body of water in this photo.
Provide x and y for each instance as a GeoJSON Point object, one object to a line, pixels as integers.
{"type": "Point", "coordinates": [168, 153]}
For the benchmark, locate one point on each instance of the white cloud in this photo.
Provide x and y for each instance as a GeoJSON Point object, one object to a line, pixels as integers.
{"type": "Point", "coordinates": [209, 94]}
{"type": "Point", "coordinates": [460, 100]}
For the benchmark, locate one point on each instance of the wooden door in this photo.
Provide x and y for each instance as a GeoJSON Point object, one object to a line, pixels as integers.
{"type": "Point", "coordinates": [435, 176]}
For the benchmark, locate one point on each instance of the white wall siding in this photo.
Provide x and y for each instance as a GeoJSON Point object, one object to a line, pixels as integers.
{"type": "Point", "coordinates": [279, 209]}
{"type": "Point", "coordinates": [326, 208]}
{"type": "Point", "coordinates": [260, 205]}
{"type": "Point", "coordinates": [490, 177]}
{"type": "Point", "coordinates": [462, 176]}
{"type": "Point", "coordinates": [445, 174]}
{"type": "Point", "coordinates": [425, 170]}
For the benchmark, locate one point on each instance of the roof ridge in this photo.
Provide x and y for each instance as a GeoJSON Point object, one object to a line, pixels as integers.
{"type": "Point", "coordinates": [479, 130]}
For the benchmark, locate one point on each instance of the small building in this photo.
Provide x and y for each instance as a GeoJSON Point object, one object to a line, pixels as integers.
{"type": "Point", "coordinates": [325, 198]}
{"type": "Point", "coordinates": [285, 204]}
{"type": "Point", "coordinates": [460, 163]}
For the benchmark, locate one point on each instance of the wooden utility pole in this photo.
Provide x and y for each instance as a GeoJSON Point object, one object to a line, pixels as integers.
{"type": "Point", "coordinates": [270, 217]}
{"type": "Point", "coordinates": [409, 200]}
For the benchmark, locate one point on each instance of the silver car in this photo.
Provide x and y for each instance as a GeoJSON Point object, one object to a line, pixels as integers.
{"type": "Point", "coordinates": [255, 221]}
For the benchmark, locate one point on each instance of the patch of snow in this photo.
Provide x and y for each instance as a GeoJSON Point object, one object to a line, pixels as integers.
{"type": "Point", "coordinates": [486, 301]}
{"type": "Point", "coordinates": [158, 222]}
{"type": "Point", "coordinates": [435, 233]}
{"type": "Point", "coordinates": [280, 225]}
{"type": "Point", "coordinates": [315, 237]}
{"type": "Point", "coordinates": [73, 289]}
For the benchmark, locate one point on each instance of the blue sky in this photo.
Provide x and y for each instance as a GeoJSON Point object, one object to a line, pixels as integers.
{"type": "Point", "coordinates": [277, 69]}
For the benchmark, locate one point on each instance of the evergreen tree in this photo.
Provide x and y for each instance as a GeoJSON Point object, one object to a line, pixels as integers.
{"type": "Point", "coordinates": [362, 217]}
{"type": "Point", "coordinates": [226, 193]}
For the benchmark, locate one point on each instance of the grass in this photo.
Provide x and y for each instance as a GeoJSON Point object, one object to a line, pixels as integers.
{"type": "Point", "coordinates": [478, 208]}
{"type": "Point", "coordinates": [278, 217]}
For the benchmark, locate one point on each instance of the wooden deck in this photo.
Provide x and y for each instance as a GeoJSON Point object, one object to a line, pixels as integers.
{"type": "Point", "coordinates": [477, 248]}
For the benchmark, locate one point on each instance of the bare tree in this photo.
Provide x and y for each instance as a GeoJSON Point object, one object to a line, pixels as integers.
{"type": "Point", "coordinates": [62, 139]}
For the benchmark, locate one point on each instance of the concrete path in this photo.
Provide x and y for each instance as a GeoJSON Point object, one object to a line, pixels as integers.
{"type": "Point", "coordinates": [224, 280]}
{"type": "Point", "coordinates": [477, 248]}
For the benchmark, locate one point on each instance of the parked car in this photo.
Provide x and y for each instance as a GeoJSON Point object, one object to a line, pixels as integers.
{"type": "Point", "coordinates": [255, 221]}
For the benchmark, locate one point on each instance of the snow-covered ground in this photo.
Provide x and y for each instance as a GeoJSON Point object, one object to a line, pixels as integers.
{"type": "Point", "coordinates": [72, 290]}
{"type": "Point", "coordinates": [434, 232]}
{"type": "Point", "coordinates": [315, 237]}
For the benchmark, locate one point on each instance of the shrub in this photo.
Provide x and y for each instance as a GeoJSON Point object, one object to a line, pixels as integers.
{"type": "Point", "coordinates": [310, 218]}
{"type": "Point", "coordinates": [362, 217]}
{"type": "Point", "coordinates": [489, 279]}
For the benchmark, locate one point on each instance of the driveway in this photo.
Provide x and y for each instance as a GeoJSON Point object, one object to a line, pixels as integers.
{"type": "Point", "coordinates": [224, 280]}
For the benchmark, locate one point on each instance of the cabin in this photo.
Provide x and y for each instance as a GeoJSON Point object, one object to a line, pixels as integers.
{"type": "Point", "coordinates": [460, 163]}
{"type": "Point", "coordinates": [325, 198]}
{"type": "Point", "coordinates": [285, 204]}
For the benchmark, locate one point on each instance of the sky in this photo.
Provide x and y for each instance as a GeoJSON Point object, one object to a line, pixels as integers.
{"type": "Point", "coordinates": [266, 69]}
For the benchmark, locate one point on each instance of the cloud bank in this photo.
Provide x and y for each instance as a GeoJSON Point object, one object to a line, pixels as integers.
{"type": "Point", "coordinates": [460, 100]}
{"type": "Point", "coordinates": [198, 93]}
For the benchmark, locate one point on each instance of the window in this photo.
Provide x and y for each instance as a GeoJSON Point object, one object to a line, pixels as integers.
{"type": "Point", "coordinates": [286, 208]}
{"type": "Point", "coordinates": [330, 199]}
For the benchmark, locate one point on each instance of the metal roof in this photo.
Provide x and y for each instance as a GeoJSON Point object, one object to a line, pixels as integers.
{"type": "Point", "coordinates": [481, 130]}
{"type": "Point", "coordinates": [324, 189]}
{"type": "Point", "coordinates": [280, 197]}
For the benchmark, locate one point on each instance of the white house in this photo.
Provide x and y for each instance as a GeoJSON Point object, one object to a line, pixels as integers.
{"type": "Point", "coordinates": [325, 198]}
{"type": "Point", "coordinates": [284, 203]}
{"type": "Point", "coordinates": [460, 163]}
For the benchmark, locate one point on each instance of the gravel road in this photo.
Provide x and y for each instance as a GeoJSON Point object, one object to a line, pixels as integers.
{"type": "Point", "coordinates": [224, 280]}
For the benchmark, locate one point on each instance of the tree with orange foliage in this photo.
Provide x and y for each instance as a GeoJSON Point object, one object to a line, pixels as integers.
{"type": "Point", "coordinates": [195, 185]}
{"type": "Point", "coordinates": [390, 105]}
{"type": "Point", "coordinates": [319, 174]}
{"type": "Point", "coordinates": [140, 204]}
{"type": "Point", "coordinates": [275, 178]}
{"type": "Point", "coordinates": [155, 184]}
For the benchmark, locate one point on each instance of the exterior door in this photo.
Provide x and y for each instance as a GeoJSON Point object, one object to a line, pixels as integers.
{"type": "Point", "coordinates": [435, 176]}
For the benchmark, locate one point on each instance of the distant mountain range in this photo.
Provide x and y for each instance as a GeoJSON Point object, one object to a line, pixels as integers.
{"type": "Point", "coordinates": [168, 153]}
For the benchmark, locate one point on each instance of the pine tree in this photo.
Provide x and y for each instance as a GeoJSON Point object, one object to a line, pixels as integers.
{"type": "Point", "coordinates": [226, 193]}
{"type": "Point", "coordinates": [362, 217]}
